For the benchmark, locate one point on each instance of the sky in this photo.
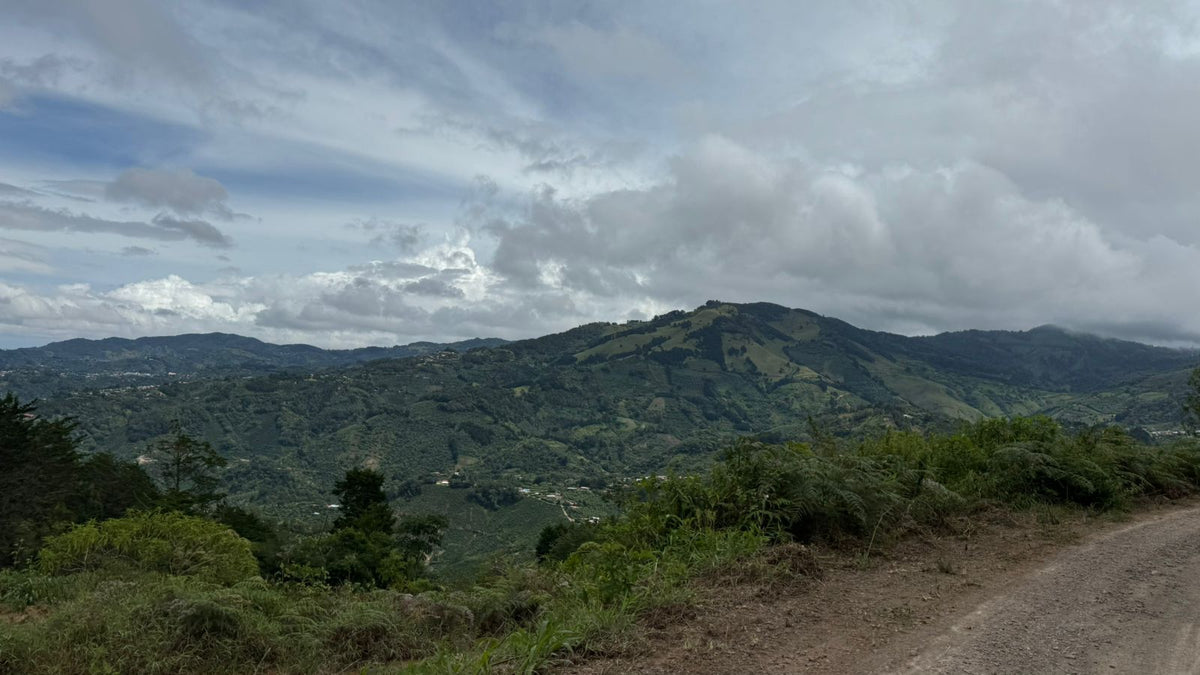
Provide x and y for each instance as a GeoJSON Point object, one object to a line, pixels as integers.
{"type": "Point", "coordinates": [381, 172]}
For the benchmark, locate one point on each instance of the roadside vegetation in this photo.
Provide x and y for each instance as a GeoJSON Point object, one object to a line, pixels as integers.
{"type": "Point", "coordinates": [161, 576]}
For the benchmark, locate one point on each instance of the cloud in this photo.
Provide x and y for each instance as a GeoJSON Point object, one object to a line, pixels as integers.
{"type": "Point", "coordinates": [29, 217]}
{"type": "Point", "coordinates": [1087, 102]}
{"type": "Point", "coordinates": [176, 297]}
{"type": "Point", "coordinates": [197, 230]}
{"type": "Point", "coordinates": [403, 237]}
{"type": "Point", "coordinates": [947, 247]}
{"type": "Point", "coordinates": [620, 52]}
{"type": "Point", "coordinates": [8, 95]}
{"type": "Point", "coordinates": [181, 190]}
{"type": "Point", "coordinates": [43, 71]}
{"type": "Point", "coordinates": [22, 257]}
{"type": "Point", "coordinates": [441, 292]}
{"type": "Point", "coordinates": [7, 190]}
{"type": "Point", "coordinates": [435, 288]}
{"type": "Point", "coordinates": [392, 270]}
{"type": "Point", "coordinates": [901, 248]}
{"type": "Point", "coordinates": [77, 189]}
{"type": "Point", "coordinates": [137, 251]}
{"type": "Point", "coordinates": [134, 34]}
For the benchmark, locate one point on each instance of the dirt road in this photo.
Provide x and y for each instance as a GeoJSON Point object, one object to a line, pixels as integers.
{"type": "Point", "coordinates": [1013, 597]}
{"type": "Point", "coordinates": [1127, 601]}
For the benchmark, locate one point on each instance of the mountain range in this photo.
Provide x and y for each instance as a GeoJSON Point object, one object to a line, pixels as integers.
{"type": "Point", "coordinates": [589, 407]}
{"type": "Point", "coordinates": [72, 365]}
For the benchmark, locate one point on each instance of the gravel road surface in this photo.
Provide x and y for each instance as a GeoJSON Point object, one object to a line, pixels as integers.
{"type": "Point", "coordinates": [1127, 601]}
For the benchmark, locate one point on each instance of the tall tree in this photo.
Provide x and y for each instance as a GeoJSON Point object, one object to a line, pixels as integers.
{"type": "Point", "coordinates": [108, 487]}
{"type": "Point", "coordinates": [264, 539]}
{"type": "Point", "coordinates": [1191, 404]}
{"type": "Point", "coordinates": [38, 473]}
{"type": "Point", "coordinates": [187, 469]}
{"type": "Point", "coordinates": [364, 504]}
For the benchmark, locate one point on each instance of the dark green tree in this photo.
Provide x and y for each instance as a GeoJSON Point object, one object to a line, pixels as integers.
{"type": "Point", "coordinates": [38, 474]}
{"type": "Point", "coordinates": [418, 536]}
{"type": "Point", "coordinates": [557, 542]}
{"type": "Point", "coordinates": [109, 487]}
{"type": "Point", "coordinates": [187, 469]}
{"type": "Point", "coordinates": [368, 545]}
{"type": "Point", "coordinates": [414, 543]}
{"type": "Point", "coordinates": [364, 503]}
{"type": "Point", "coordinates": [1191, 404]}
{"type": "Point", "coordinates": [264, 538]}
{"type": "Point", "coordinates": [348, 555]}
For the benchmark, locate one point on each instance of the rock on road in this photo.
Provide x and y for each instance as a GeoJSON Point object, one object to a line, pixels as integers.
{"type": "Point", "coordinates": [1127, 601]}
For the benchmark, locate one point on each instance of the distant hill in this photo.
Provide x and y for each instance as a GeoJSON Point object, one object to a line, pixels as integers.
{"type": "Point", "coordinates": [596, 404]}
{"type": "Point", "coordinates": [73, 365]}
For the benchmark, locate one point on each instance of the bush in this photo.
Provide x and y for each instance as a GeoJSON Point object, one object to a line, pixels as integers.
{"type": "Point", "coordinates": [170, 543]}
{"type": "Point", "coordinates": [374, 635]}
{"type": "Point", "coordinates": [784, 491]}
{"type": "Point", "coordinates": [1052, 473]}
{"type": "Point", "coordinates": [558, 541]}
{"type": "Point", "coordinates": [151, 623]}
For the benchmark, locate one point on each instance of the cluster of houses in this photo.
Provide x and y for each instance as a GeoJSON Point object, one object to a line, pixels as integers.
{"type": "Point", "coordinates": [555, 498]}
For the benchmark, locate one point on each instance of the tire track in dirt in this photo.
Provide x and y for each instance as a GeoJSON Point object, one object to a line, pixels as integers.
{"type": "Point", "coordinates": [1126, 601]}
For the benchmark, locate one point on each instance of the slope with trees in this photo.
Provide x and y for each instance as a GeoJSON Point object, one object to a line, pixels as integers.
{"type": "Point", "coordinates": [604, 402]}
{"type": "Point", "coordinates": [168, 592]}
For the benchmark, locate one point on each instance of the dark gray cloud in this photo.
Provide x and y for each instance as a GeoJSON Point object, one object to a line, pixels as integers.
{"type": "Point", "coordinates": [29, 217]}
{"type": "Point", "coordinates": [137, 251]}
{"type": "Point", "coordinates": [180, 190]}
{"type": "Point", "coordinates": [197, 230]}
{"type": "Point", "coordinates": [437, 288]}
{"type": "Point", "coordinates": [363, 303]}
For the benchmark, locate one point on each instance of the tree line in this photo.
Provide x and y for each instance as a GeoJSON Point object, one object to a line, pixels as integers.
{"type": "Point", "coordinates": [47, 486]}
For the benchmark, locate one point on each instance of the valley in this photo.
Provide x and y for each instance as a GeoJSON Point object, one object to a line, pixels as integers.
{"type": "Point", "coordinates": [573, 413]}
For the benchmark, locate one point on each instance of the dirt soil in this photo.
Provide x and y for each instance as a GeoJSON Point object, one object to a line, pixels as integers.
{"type": "Point", "coordinates": [1006, 595]}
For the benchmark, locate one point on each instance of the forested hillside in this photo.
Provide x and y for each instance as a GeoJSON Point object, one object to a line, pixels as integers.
{"type": "Point", "coordinates": [605, 402]}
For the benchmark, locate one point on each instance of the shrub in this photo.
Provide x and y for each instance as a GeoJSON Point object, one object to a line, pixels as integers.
{"type": "Point", "coordinates": [557, 541]}
{"type": "Point", "coordinates": [1050, 473]}
{"type": "Point", "coordinates": [150, 623]}
{"type": "Point", "coordinates": [781, 490]}
{"type": "Point", "coordinates": [170, 543]}
{"type": "Point", "coordinates": [369, 634]}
